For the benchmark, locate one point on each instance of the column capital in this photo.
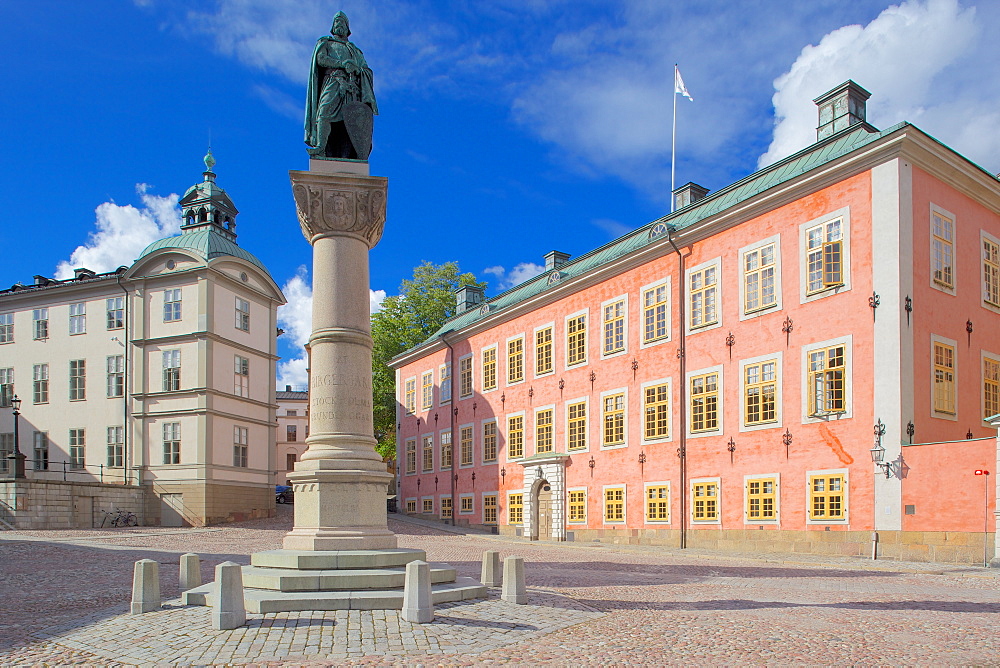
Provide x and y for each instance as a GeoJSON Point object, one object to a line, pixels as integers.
{"type": "Point", "coordinates": [340, 204]}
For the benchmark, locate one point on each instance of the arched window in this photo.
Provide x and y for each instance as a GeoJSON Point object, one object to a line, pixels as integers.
{"type": "Point", "coordinates": [658, 230]}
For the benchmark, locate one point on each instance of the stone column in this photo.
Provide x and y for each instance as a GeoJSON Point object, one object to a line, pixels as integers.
{"type": "Point", "coordinates": [340, 482]}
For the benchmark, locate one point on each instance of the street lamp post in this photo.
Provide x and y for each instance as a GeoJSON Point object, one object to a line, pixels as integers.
{"type": "Point", "coordinates": [17, 457]}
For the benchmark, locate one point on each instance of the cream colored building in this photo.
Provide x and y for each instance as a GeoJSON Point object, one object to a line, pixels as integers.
{"type": "Point", "coordinates": [293, 427]}
{"type": "Point", "coordinates": [159, 375]}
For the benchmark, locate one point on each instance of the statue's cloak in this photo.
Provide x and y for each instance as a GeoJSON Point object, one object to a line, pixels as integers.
{"type": "Point", "coordinates": [314, 87]}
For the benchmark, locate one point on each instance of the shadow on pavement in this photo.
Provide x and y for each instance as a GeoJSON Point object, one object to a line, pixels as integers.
{"type": "Point", "coordinates": [744, 604]}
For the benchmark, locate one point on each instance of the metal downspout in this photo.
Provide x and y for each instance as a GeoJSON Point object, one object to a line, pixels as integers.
{"type": "Point", "coordinates": [452, 410]}
{"type": "Point", "coordinates": [125, 384]}
{"type": "Point", "coordinates": [682, 450]}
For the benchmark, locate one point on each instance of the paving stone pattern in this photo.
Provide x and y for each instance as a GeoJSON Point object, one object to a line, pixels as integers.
{"type": "Point", "coordinates": [64, 595]}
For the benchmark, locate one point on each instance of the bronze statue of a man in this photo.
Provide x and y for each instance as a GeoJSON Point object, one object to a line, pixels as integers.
{"type": "Point", "coordinates": [340, 101]}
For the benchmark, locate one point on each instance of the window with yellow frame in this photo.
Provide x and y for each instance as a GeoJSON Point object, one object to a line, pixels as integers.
{"type": "Point", "coordinates": [410, 395]}
{"type": "Point", "coordinates": [446, 506]}
{"type": "Point", "coordinates": [515, 436]}
{"type": "Point", "coordinates": [761, 499]}
{"type": "Point", "coordinates": [427, 389]}
{"type": "Point", "coordinates": [515, 360]}
{"type": "Point", "coordinates": [705, 501]}
{"type": "Point", "coordinates": [827, 497]}
{"type": "Point", "coordinates": [991, 387]}
{"type": "Point", "coordinates": [614, 504]}
{"type": "Point", "coordinates": [759, 291]}
{"type": "Point", "coordinates": [703, 290]}
{"type": "Point", "coordinates": [490, 509]}
{"type": "Point", "coordinates": [465, 377]}
{"type": "Point", "coordinates": [657, 503]}
{"type": "Point", "coordinates": [428, 505]}
{"type": "Point", "coordinates": [490, 369]}
{"type": "Point", "coordinates": [614, 419]}
{"type": "Point", "coordinates": [543, 351]}
{"type": "Point", "coordinates": [614, 327]}
{"type": "Point", "coordinates": [411, 456]}
{"type": "Point", "coordinates": [515, 508]}
{"type": "Point", "coordinates": [991, 272]}
{"type": "Point", "coordinates": [942, 250]}
{"type": "Point", "coordinates": [489, 441]}
{"type": "Point", "coordinates": [654, 313]}
{"type": "Point", "coordinates": [656, 412]}
{"type": "Point", "coordinates": [543, 430]}
{"type": "Point", "coordinates": [465, 446]}
{"type": "Point", "coordinates": [827, 380]}
{"type": "Point", "coordinates": [576, 340]}
{"type": "Point", "coordinates": [705, 402]}
{"type": "Point", "coordinates": [760, 390]}
{"type": "Point", "coordinates": [944, 378]}
{"type": "Point", "coordinates": [576, 426]}
{"type": "Point", "coordinates": [445, 450]}
{"type": "Point", "coordinates": [824, 256]}
{"type": "Point", "coordinates": [427, 448]}
{"type": "Point", "coordinates": [578, 505]}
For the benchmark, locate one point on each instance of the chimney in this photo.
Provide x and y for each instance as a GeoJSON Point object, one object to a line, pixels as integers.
{"type": "Point", "coordinates": [555, 259]}
{"type": "Point", "coordinates": [468, 296]}
{"type": "Point", "coordinates": [288, 388]}
{"type": "Point", "coordinates": [83, 272]}
{"type": "Point", "coordinates": [840, 109]}
{"type": "Point", "coordinates": [689, 193]}
{"type": "Point", "coordinates": [41, 280]}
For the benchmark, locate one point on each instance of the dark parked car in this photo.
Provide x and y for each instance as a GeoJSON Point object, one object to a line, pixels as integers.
{"type": "Point", "coordinates": [283, 494]}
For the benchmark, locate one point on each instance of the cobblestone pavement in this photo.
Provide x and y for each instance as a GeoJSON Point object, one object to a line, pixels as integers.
{"type": "Point", "coordinates": [63, 596]}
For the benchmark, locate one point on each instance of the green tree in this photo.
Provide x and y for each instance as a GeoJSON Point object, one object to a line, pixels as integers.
{"type": "Point", "coordinates": [404, 321]}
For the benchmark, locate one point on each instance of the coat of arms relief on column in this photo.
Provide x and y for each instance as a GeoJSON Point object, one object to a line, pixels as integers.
{"type": "Point", "coordinates": [340, 205]}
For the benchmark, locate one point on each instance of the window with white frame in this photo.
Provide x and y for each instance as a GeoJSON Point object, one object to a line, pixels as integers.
{"type": "Point", "coordinates": [655, 313]}
{"type": "Point", "coordinates": [489, 368]}
{"type": "Point", "coordinates": [411, 456]}
{"type": "Point", "coordinates": [991, 271]}
{"type": "Point", "coordinates": [40, 383]}
{"type": "Point", "coordinates": [40, 324]}
{"type": "Point", "coordinates": [827, 496]}
{"type": "Point", "coordinates": [576, 339]}
{"type": "Point", "coordinates": [759, 279]}
{"type": "Point", "coordinates": [40, 449]}
{"type": "Point", "coordinates": [515, 360]}
{"type": "Point", "coordinates": [576, 425]}
{"type": "Point", "coordinates": [944, 377]}
{"type": "Point", "coordinates": [489, 509]}
{"type": "Point", "coordinates": [77, 380]}
{"type": "Point", "coordinates": [515, 436]}
{"type": "Point", "coordinates": [428, 505]}
{"type": "Point", "coordinates": [465, 438]}
{"type": "Point", "coordinates": [116, 376]}
{"type": "Point", "coordinates": [6, 327]}
{"type": "Point", "coordinates": [116, 312]}
{"type": "Point", "coordinates": [490, 441]}
{"type": "Point", "coordinates": [942, 249]}
{"type": "Point", "coordinates": [116, 447]}
{"type": "Point", "coordinates": [703, 290]}
{"type": "Point", "coordinates": [515, 508]}
{"type": "Point", "coordinates": [427, 452]}
{"type": "Point", "coordinates": [991, 386]}
{"type": "Point", "coordinates": [427, 389]}
{"type": "Point", "coordinates": [241, 376]}
{"type": "Point", "coordinates": [761, 501]}
{"type": "Point", "coordinates": [172, 305]}
{"type": "Point", "coordinates": [614, 327]}
{"type": "Point", "coordinates": [6, 386]}
{"type": "Point", "coordinates": [410, 396]}
{"type": "Point", "coordinates": [577, 505]}
{"type": "Point", "coordinates": [614, 504]}
{"type": "Point", "coordinates": [171, 370]}
{"type": "Point", "coordinates": [240, 446]}
{"type": "Point", "coordinates": [445, 450]}
{"type": "Point", "coordinates": [705, 500]}
{"type": "Point", "coordinates": [242, 315]}
{"type": "Point", "coordinates": [445, 506]}
{"type": "Point", "coordinates": [171, 442]}
{"type": "Point", "coordinates": [465, 377]}
{"type": "Point", "coordinates": [704, 400]}
{"type": "Point", "coordinates": [465, 504]}
{"type": "Point", "coordinates": [760, 392]}
{"type": "Point", "coordinates": [824, 256]}
{"type": "Point", "coordinates": [543, 351]}
{"type": "Point", "coordinates": [656, 411]}
{"type": "Point", "coordinates": [544, 430]}
{"type": "Point", "coordinates": [827, 379]}
{"type": "Point", "coordinates": [445, 375]}
{"type": "Point", "coordinates": [291, 433]}
{"type": "Point", "coordinates": [78, 318]}
{"type": "Point", "coordinates": [614, 419]}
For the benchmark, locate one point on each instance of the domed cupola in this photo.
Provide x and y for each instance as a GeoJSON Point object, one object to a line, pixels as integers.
{"type": "Point", "coordinates": [207, 206]}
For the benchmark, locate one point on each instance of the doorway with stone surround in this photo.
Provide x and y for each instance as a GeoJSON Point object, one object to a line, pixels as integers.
{"type": "Point", "coordinates": [545, 496]}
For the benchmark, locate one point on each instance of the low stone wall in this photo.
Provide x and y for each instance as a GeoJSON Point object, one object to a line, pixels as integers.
{"type": "Point", "coordinates": [57, 504]}
{"type": "Point", "coordinates": [946, 547]}
{"type": "Point", "coordinates": [200, 503]}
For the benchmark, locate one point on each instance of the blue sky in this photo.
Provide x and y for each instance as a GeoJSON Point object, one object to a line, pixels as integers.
{"type": "Point", "coordinates": [507, 129]}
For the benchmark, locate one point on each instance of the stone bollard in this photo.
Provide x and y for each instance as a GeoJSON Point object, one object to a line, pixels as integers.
{"type": "Point", "coordinates": [418, 606]}
{"type": "Point", "coordinates": [492, 570]}
{"type": "Point", "coordinates": [514, 590]}
{"type": "Point", "coordinates": [228, 609]}
{"type": "Point", "coordinates": [145, 586]}
{"type": "Point", "coordinates": [190, 576]}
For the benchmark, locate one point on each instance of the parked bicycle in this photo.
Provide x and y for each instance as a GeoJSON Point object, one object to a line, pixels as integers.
{"type": "Point", "coordinates": [119, 518]}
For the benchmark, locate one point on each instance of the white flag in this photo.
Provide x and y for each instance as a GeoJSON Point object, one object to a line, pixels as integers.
{"type": "Point", "coordinates": [679, 86]}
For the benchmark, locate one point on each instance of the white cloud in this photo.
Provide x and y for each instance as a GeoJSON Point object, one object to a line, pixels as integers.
{"type": "Point", "coordinates": [613, 227]}
{"type": "Point", "coordinates": [923, 61]}
{"type": "Point", "coordinates": [519, 274]}
{"type": "Point", "coordinates": [295, 317]}
{"type": "Point", "coordinates": [122, 232]}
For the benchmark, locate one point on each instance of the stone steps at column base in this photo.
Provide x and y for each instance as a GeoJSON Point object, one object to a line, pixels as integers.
{"type": "Point", "coordinates": [264, 601]}
{"type": "Point", "coordinates": [283, 579]}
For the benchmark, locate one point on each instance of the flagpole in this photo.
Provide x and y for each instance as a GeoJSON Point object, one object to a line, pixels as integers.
{"type": "Point", "coordinates": [673, 142]}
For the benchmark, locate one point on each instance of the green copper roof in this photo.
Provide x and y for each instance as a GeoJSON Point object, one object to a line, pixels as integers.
{"type": "Point", "coordinates": [207, 243]}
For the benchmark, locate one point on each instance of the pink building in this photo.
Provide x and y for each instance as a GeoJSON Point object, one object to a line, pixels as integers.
{"type": "Point", "coordinates": [723, 376]}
